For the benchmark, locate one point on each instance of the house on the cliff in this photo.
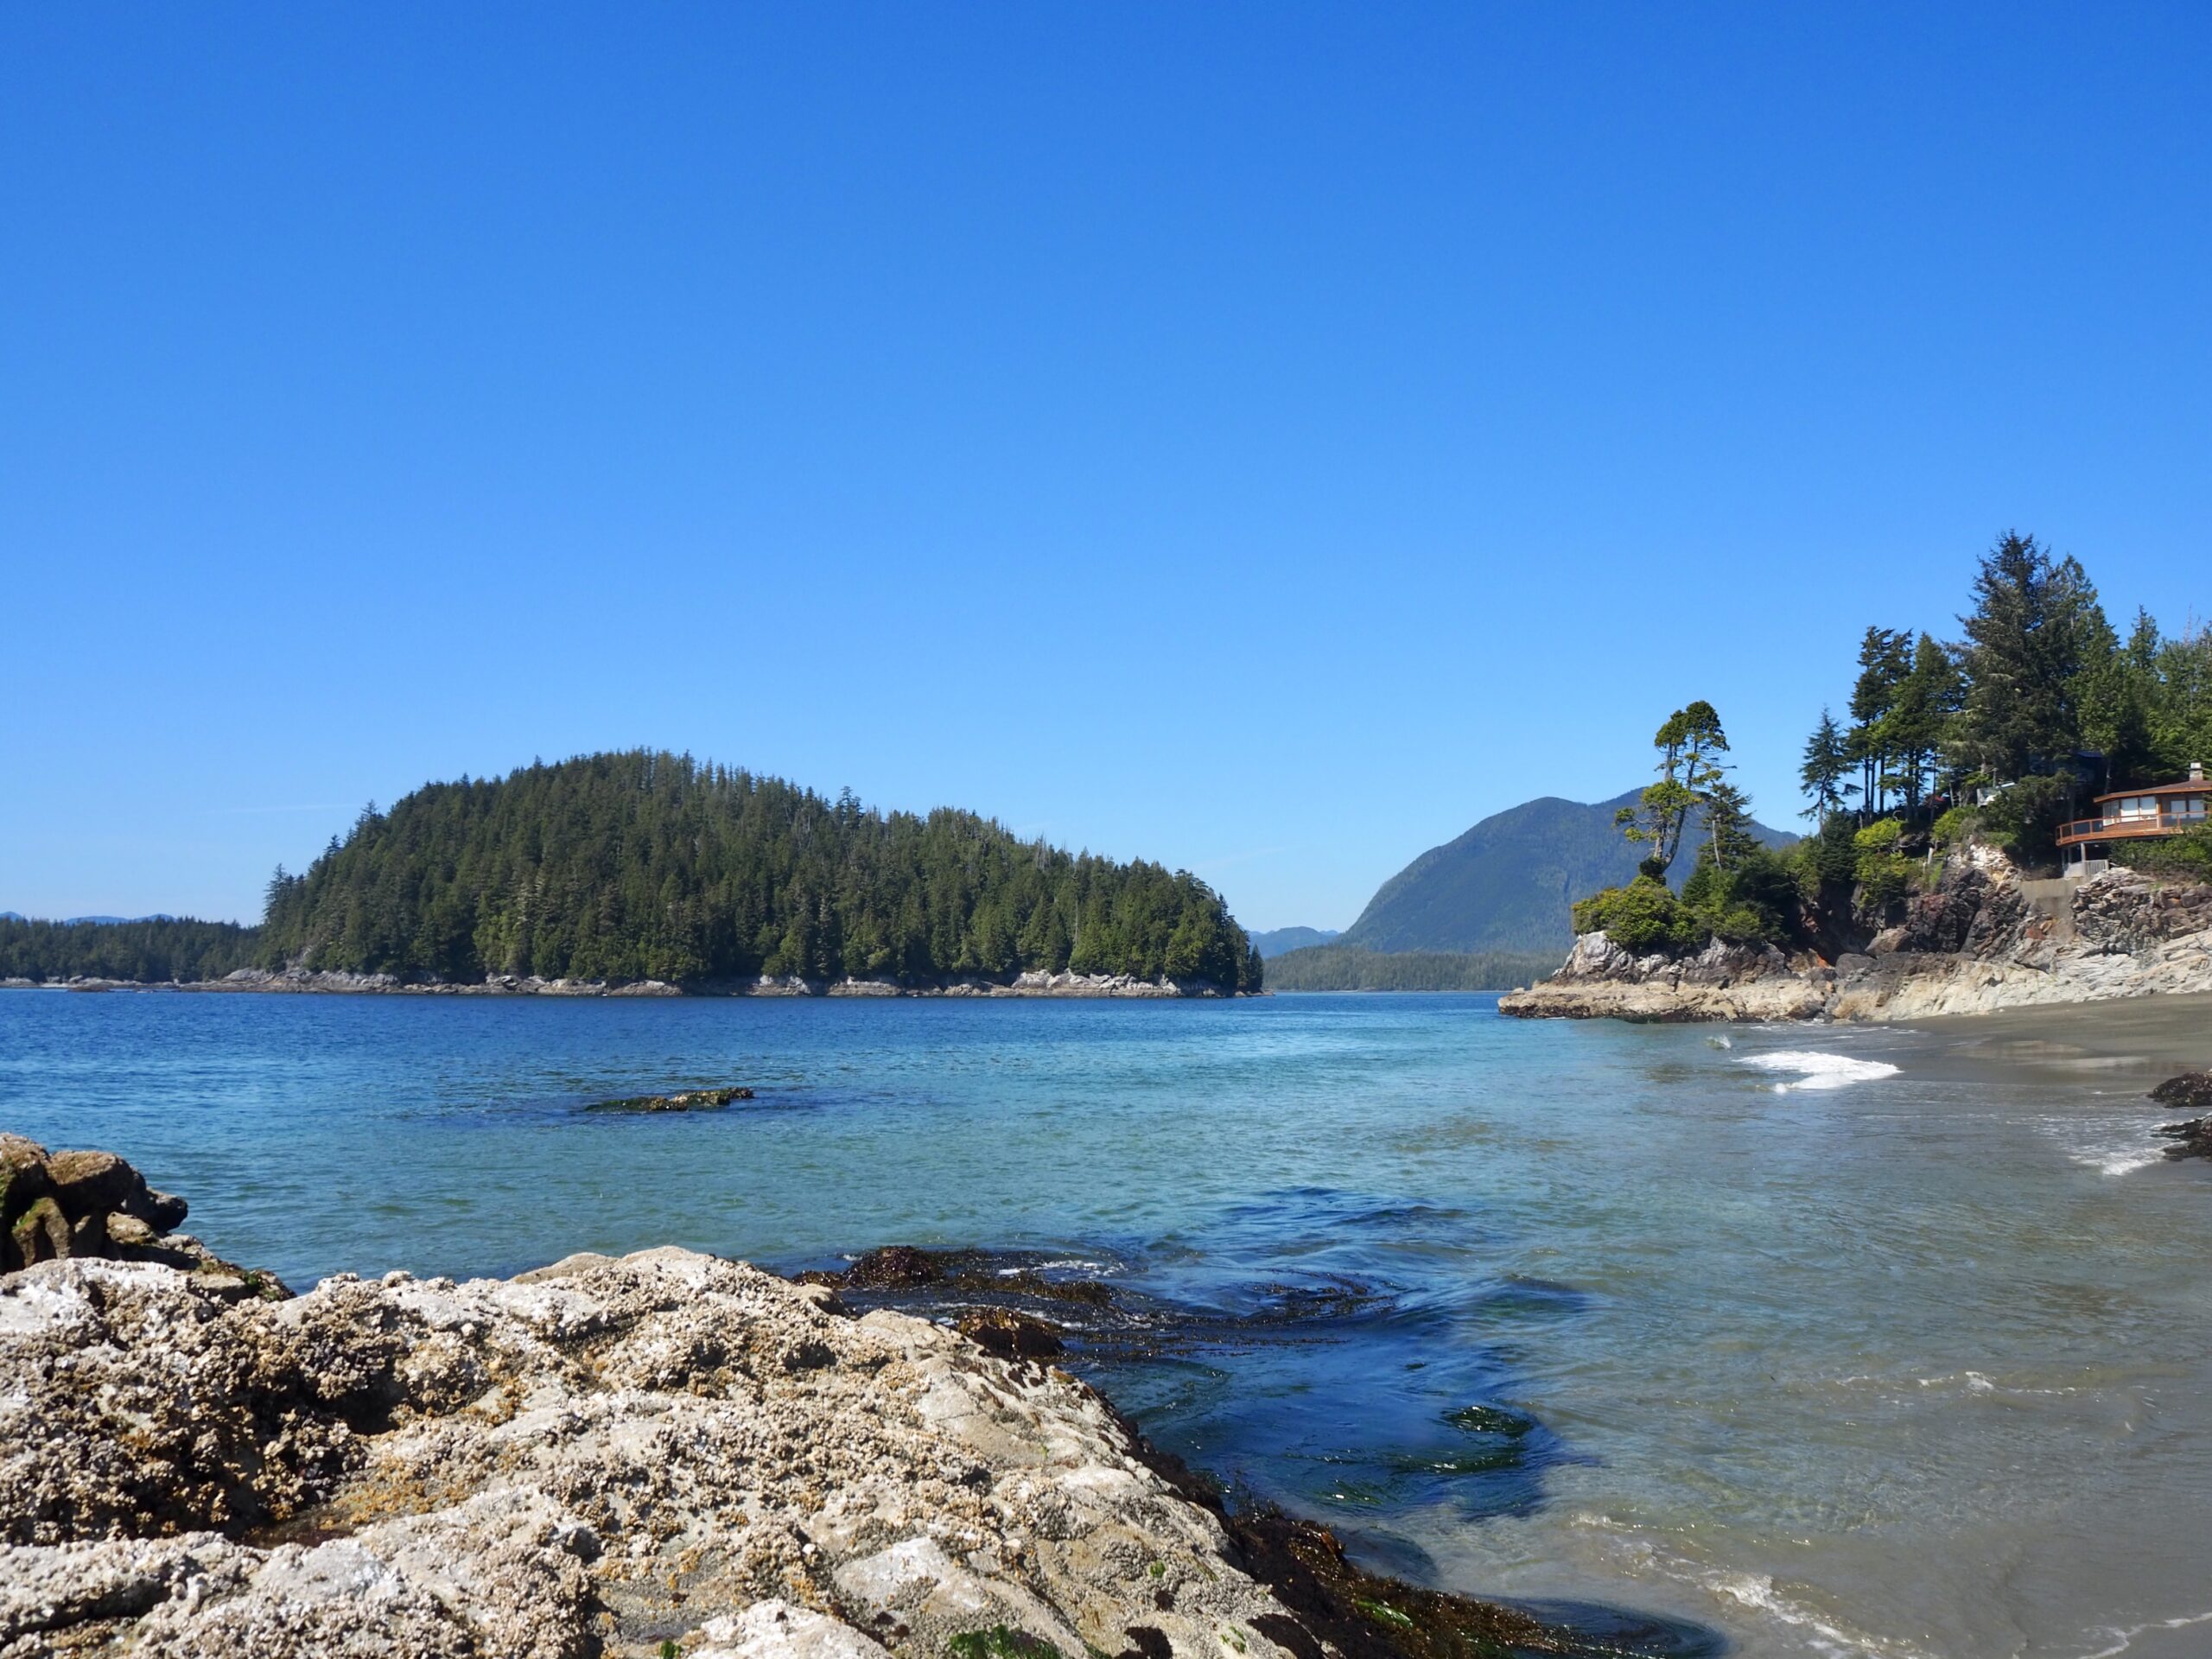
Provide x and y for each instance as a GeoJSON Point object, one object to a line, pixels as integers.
{"type": "Point", "coordinates": [2135, 815]}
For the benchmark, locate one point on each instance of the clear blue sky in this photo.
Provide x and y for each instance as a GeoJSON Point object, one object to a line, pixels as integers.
{"type": "Point", "coordinates": [1263, 438]}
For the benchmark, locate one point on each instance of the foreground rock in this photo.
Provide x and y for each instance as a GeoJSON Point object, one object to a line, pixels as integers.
{"type": "Point", "coordinates": [92, 1205]}
{"type": "Point", "coordinates": [605, 1456]}
{"type": "Point", "coordinates": [1983, 940]}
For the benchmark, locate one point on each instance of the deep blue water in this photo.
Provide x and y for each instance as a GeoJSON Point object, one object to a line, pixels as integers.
{"type": "Point", "coordinates": [1915, 1364]}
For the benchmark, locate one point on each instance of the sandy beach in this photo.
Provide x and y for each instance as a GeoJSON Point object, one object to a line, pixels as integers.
{"type": "Point", "coordinates": [2150, 1038]}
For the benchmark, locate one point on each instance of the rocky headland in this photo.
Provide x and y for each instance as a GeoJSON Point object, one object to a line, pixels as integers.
{"type": "Point", "coordinates": [1981, 938]}
{"type": "Point", "coordinates": [663, 1454]}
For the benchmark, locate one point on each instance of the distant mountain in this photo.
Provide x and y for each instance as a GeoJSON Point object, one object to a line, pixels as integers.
{"type": "Point", "coordinates": [1508, 883]}
{"type": "Point", "coordinates": [1276, 941]}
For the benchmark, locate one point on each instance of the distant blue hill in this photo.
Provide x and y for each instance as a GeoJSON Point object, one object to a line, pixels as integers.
{"type": "Point", "coordinates": [1276, 942]}
{"type": "Point", "coordinates": [1509, 883]}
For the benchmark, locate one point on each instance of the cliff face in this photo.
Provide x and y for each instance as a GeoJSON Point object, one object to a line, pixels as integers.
{"type": "Point", "coordinates": [1982, 940]}
{"type": "Point", "coordinates": [1990, 941]}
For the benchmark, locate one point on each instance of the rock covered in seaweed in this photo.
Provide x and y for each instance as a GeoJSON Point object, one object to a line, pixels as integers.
{"type": "Point", "coordinates": [2190, 1091]}
{"type": "Point", "coordinates": [690, 1100]}
{"type": "Point", "coordinates": [66, 1205]}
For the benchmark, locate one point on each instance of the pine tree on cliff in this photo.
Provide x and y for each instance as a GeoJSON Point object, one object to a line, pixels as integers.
{"type": "Point", "coordinates": [1926, 701]}
{"type": "Point", "coordinates": [2035, 626]}
{"type": "Point", "coordinates": [1687, 744]}
{"type": "Point", "coordinates": [1827, 765]}
{"type": "Point", "coordinates": [1885, 658]}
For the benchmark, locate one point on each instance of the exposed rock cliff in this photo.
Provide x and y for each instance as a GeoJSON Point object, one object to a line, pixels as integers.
{"type": "Point", "coordinates": [1982, 939]}
{"type": "Point", "coordinates": [603, 1457]}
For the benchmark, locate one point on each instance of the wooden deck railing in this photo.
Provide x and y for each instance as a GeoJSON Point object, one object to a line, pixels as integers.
{"type": "Point", "coordinates": [2164, 823]}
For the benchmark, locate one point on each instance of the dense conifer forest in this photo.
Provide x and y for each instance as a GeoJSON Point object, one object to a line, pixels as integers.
{"type": "Point", "coordinates": [653, 866]}
{"type": "Point", "coordinates": [154, 951]}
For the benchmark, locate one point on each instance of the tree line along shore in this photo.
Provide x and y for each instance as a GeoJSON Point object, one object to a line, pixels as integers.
{"type": "Point", "coordinates": [646, 866]}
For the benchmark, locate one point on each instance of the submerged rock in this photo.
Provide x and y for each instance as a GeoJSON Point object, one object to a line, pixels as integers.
{"type": "Point", "coordinates": [695, 1100]}
{"type": "Point", "coordinates": [894, 1267]}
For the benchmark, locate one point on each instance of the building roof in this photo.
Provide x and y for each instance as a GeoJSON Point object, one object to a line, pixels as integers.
{"type": "Point", "coordinates": [2194, 786]}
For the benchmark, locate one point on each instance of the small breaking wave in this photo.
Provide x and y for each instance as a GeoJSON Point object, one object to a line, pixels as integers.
{"type": "Point", "coordinates": [1758, 1592]}
{"type": "Point", "coordinates": [1816, 1070]}
{"type": "Point", "coordinates": [2125, 1639]}
{"type": "Point", "coordinates": [2119, 1163]}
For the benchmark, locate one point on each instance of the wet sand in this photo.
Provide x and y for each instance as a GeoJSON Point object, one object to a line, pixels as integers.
{"type": "Point", "coordinates": [2123, 1041]}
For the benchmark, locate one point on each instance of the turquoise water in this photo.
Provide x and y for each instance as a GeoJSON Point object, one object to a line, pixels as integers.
{"type": "Point", "coordinates": [1906, 1362]}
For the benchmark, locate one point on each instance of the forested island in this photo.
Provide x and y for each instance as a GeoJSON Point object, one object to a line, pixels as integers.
{"type": "Point", "coordinates": [646, 866]}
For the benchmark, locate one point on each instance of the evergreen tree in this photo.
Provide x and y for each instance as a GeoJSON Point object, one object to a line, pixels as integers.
{"type": "Point", "coordinates": [2182, 722]}
{"type": "Point", "coordinates": [2120, 698]}
{"type": "Point", "coordinates": [1827, 765]}
{"type": "Point", "coordinates": [1884, 659]}
{"type": "Point", "coordinates": [1687, 744]}
{"type": "Point", "coordinates": [1730, 839]}
{"type": "Point", "coordinates": [2035, 627]}
{"type": "Point", "coordinates": [1921, 711]}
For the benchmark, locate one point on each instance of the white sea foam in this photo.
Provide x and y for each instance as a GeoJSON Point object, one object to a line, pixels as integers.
{"type": "Point", "coordinates": [2107, 1146]}
{"type": "Point", "coordinates": [1816, 1069]}
{"type": "Point", "coordinates": [2119, 1163]}
{"type": "Point", "coordinates": [2123, 1640]}
{"type": "Point", "coordinates": [1756, 1591]}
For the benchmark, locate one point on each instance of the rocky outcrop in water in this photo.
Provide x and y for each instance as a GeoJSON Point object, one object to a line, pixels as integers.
{"type": "Point", "coordinates": [1980, 940]}
{"type": "Point", "coordinates": [2190, 1092]}
{"type": "Point", "coordinates": [606, 1456]}
{"type": "Point", "coordinates": [92, 1205]}
{"type": "Point", "coordinates": [1723, 981]}
{"type": "Point", "coordinates": [690, 1100]}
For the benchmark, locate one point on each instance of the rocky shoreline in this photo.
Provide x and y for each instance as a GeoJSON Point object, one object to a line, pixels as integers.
{"type": "Point", "coordinates": [1982, 940]}
{"type": "Point", "coordinates": [298, 981]}
{"type": "Point", "coordinates": [665, 1453]}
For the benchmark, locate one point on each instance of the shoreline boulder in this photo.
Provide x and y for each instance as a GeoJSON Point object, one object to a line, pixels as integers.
{"type": "Point", "coordinates": [66, 1206]}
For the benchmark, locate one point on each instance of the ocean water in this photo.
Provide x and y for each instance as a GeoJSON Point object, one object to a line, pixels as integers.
{"type": "Point", "coordinates": [1764, 1342]}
